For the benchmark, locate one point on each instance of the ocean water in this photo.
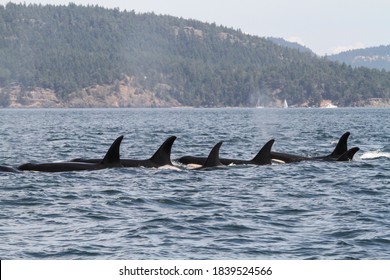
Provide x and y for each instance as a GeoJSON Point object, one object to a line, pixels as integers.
{"type": "Point", "coordinates": [306, 210]}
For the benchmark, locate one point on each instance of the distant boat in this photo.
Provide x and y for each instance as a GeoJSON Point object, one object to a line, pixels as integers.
{"type": "Point", "coordinates": [285, 105]}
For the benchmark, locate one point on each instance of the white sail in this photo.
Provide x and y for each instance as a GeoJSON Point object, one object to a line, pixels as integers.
{"type": "Point", "coordinates": [285, 105]}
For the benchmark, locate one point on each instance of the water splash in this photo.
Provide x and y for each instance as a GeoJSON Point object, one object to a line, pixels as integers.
{"type": "Point", "coordinates": [375, 155]}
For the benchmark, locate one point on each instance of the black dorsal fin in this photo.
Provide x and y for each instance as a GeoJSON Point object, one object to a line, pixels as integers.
{"type": "Point", "coordinates": [163, 155]}
{"type": "Point", "coordinates": [213, 158]}
{"type": "Point", "coordinates": [341, 147]}
{"type": "Point", "coordinates": [112, 156]}
{"type": "Point", "coordinates": [348, 155]}
{"type": "Point", "coordinates": [263, 157]}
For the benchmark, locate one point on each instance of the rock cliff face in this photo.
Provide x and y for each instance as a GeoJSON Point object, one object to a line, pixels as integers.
{"type": "Point", "coordinates": [374, 103]}
{"type": "Point", "coordinates": [124, 93]}
{"type": "Point", "coordinates": [17, 97]}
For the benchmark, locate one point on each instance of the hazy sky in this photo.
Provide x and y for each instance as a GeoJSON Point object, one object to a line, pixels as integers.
{"type": "Point", "coordinates": [325, 26]}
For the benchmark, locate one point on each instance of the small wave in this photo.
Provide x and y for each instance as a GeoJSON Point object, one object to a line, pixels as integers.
{"type": "Point", "coordinates": [374, 155]}
{"type": "Point", "coordinates": [169, 167]}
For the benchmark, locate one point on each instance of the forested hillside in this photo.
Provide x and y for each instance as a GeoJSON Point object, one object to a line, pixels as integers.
{"type": "Point", "coordinates": [292, 45]}
{"type": "Point", "coordinates": [68, 49]}
{"type": "Point", "coordinates": [374, 57]}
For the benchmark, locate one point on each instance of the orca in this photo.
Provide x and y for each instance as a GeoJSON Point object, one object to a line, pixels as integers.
{"type": "Point", "coordinates": [213, 159]}
{"type": "Point", "coordinates": [338, 153]}
{"type": "Point", "coordinates": [111, 159]}
{"type": "Point", "coordinates": [348, 155]}
{"type": "Point", "coordinates": [162, 157]}
{"type": "Point", "coordinates": [263, 157]}
{"type": "Point", "coordinates": [8, 169]}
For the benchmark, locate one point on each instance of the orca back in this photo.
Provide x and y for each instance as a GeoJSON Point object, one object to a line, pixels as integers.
{"type": "Point", "coordinates": [163, 155]}
{"type": "Point", "coordinates": [263, 157]}
{"type": "Point", "coordinates": [348, 155]}
{"type": "Point", "coordinates": [112, 156]}
{"type": "Point", "coordinates": [213, 158]}
{"type": "Point", "coordinates": [341, 147]}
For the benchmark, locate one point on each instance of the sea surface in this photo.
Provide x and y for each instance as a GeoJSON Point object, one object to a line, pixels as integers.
{"type": "Point", "coordinates": [306, 210]}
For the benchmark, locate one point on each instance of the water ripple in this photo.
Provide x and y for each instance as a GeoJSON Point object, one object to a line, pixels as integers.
{"type": "Point", "coordinates": [307, 210]}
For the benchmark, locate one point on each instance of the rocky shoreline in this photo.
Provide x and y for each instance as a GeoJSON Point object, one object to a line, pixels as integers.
{"type": "Point", "coordinates": [126, 93]}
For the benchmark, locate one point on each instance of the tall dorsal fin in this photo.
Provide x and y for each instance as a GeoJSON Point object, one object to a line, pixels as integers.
{"type": "Point", "coordinates": [263, 157]}
{"type": "Point", "coordinates": [348, 155]}
{"type": "Point", "coordinates": [112, 156]}
{"type": "Point", "coordinates": [341, 146]}
{"type": "Point", "coordinates": [213, 158]}
{"type": "Point", "coordinates": [163, 155]}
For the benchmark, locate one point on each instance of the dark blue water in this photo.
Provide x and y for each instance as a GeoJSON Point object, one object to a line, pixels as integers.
{"type": "Point", "coordinates": [307, 210]}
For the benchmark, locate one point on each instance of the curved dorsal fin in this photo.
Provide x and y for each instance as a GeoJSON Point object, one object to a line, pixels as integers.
{"type": "Point", "coordinates": [341, 146]}
{"type": "Point", "coordinates": [163, 155]}
{"type": "Point", "coordinates": [213, 158]}
{"type": "Point", "coordinates": [112, 156]}
{"type": "Point", "coordinates": [348, 155]}
{"type": "Point", "coordinates": [263, 157]}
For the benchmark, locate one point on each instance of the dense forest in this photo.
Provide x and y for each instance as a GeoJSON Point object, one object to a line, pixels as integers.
{"type": "Point", "coordinates": [68, 48]}
{"type": "Point", "coordinates": [293, 45]}
{"type": "Point", "coordinates": [374, 57]}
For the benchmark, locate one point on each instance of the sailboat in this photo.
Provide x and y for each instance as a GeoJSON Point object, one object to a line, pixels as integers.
{"type": "Point", "coordinates": [285, 105]}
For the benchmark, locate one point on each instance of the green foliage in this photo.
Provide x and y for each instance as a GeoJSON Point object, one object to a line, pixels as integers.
{"type": "Point", "coordinates": [67, 48]}
{"type": "Point", "coordinates": [374, 57]}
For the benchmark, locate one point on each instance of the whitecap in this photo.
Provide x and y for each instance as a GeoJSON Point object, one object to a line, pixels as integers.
{"type": "Point", "coordinates": [375, 154]}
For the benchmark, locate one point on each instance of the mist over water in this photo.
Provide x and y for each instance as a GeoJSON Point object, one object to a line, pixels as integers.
{"type": "Point", "coordinates": [306, 210]}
